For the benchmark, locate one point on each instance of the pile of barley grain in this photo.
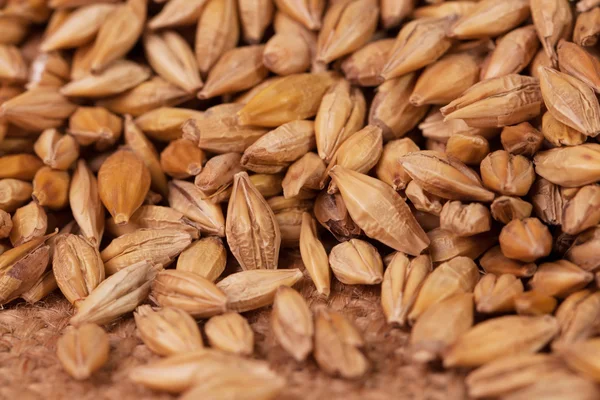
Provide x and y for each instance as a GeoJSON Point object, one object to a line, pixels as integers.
{"type": "Point", "coordinates": [135, 136]}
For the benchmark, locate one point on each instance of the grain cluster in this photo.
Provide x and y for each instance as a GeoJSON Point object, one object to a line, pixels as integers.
{"type": "Point", "coordinates": [159, 159]}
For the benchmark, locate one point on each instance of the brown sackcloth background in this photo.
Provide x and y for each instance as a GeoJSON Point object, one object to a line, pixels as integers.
{"type": "Point", "coordinates": [29, 368]}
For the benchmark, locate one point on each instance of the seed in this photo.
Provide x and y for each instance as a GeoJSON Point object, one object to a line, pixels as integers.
{"type": "Point", "coordinates": [186, 198]}
{"type": "Point", "coordinates": [252, 232]}
{"type": "Point", "coordinates": [165, 123]}
{"type": "Point", "coordinates": [522, 139]}
{"type": "Point", "coordinates": [364, 66]}
{"type": "Point", "coordinates": [496, 294]}
{"type": "Point", "coordinates": [340, 115]}
{"type": "Point", "coordinates": [218, 172]}
{"type": "Point", "coordinates": [337, 344]}
{"type": "Point", "coordinates": [28, 222]}
{"type": "Point", "coordinates": [97, 125]}
{"type": "Point", "coordinates": [5, 224]}
{"type": "Point", "coordinates": [123, 181]}
{"type": "Point", "coordinates": [292, 323]}
{"type": "Point", "coordinates": [434, 127]}
{"type": "Point", "coordinates": [13, 30]}
{"type": "Point", "coordinates": [522, 44]}
{"type": "Point", "coordinates": [428, 341]}
{"type": "Point", "coordinates": [252, 289]}
{"type": "Point", "coordinates": [19, 166]}
{"type": "Point", "coordinates": [77, 267]}
{"type": "Point", "coordinates": [267, 154]}
{"type": "Point", "coordinates": [547, 201]}
{"type": "Point", "coordinates": [85, 202]}
{"type": "Point", "coordinates": [159, 246]}
{"type": "Point", "coordinates": [359, 153]}
{"type": "Point", "coordinates": [45, 285]}
{"type": "Point", "coordinates": [287, 26]}
{"type": "Point", "coordinates": [583, 357]}
{"type": "Point", "coordinates": [314, 255]}
{"type": "Point", "coordinates": [392, 12]}
{"type": "Point", "coordinates": [290, 225]}
{"type": "Point", "coordinates": [577, 316]}
{"type": "Point", "coordinates": [391, 109]}
{"type": "Point", "coordinates": [506, 209]}
{"type": "Point", "coordinates": [182, 159]}
{"type": "Point", "coordinates": [14, 193]}
{"type": "Point", "coordinates": [444, 176]}
{"type": "Point", "coordinates": [231, 333]}
{"type": "Point", "coordinates": [494, 262]}
{"type": "Point", "coordinates": [177, 13]}
{"type": "Point", "coordinates": [21, 267]}
{"type": "Point", "coordinates": [356, 262]}
{"type": "Point", "coordinates": [497, 102]}
{"type": "Point", "coordinates": [512, 373]}
{"type": "Point", "coordinates": [558, 385]}
{"type": "Point", "coordinates": [586, 5]}
{"type": "Point", "coordinates": [268, 185]}
{"type": "Point", "coordinates": [570, 166]}
{"type": "Point", "coordinates": [534, 303]}
{"type": "Point", "coordinates": [584, 250]}
{"type": "Point", "coordinates": [255, 17]}
{"type": "Point", "coordinates": [294, 97]}
{"type": "Point", "coordinates": [83, 350]}
{"type": "Point", "coordinates": [167, 331]}
{"type": "Point", "coordinates": [206, 257]}
{"type": "Point", "coordinates": [465, 220]}
{"type": "Point", "coordinates": [582, 211]}
{"type": "Point", "coordinates": [560, 278]}
{"type": "Point", "coordinates": [238, 69]}
{"type": "Point", "coordinates": [560, 134]}
{"type": "Point", "coordinates": [389, 169]}
{"type": "Point", "coordinates": [422, 200]}
{"type": "Point", "coordinates": [79, 28]}
{"type": "Point", "coordinates": [331, 212]}
{"type": "Point", "coordinates": [577, 62]}
{"type": "Point", "coordinates": [118, 77]}
{"type": "Point", "coordinates": [586, 28]}
{"type": "Point", "coordinates": [507, 174]}
{"type": "Point", "coordinates": [14, 68]}
{"type": "Point", "coordinates": [303, 174]}
{"type": "Point", "coordinates": [346, 28]}
{"type": "Point", "coordinates": [444, 9]}
{"type": "Point", "coordinates": [379, 211]}
{"type": "Point", "coordinates": [570, 101]}
{"type": "Point", "coordinates": [116, 295]}
{"type": "Point", "coordinates": [286, 54]}
{"type": "Point", "coordinates": [553, 21]}
{"type": "Point", "coordinates": [145, 150]}
{"type": "Point", "coordinates": [418, 44]}
{"type": "Point", "coordinates": [181, 372]}
{"type": "Point", "coordinates": [56, 150]}
{"type": "Point", "coordinates": [189, 292]}
{"type": "Point", "coordinates": [525, 240]}
{"type": "Point", "coordinates": [459, 275]}
{"type": "Point", "coordinates": [217, 30]}
{"type": "Point", "coordinates": [490, 18]}
{"type": "Point", "coordinates": [468, 149]}
{"type": "Point", "coordinates": [501, 337]}
{"type": "Point", "coordinates": [308, 13]}
{"type": "Point", "coordinates": [145, 97]}
{"type": "Point", "coordinates": [172, 58]}
{"type": "Point", "coordinates": [402, 281]}
{"type": "Point", "coordinates": [446, 79]}
{"type": "Point", "coordinates": [119, 33]}
{"type": "Point", "coordinates": [219, 131]}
